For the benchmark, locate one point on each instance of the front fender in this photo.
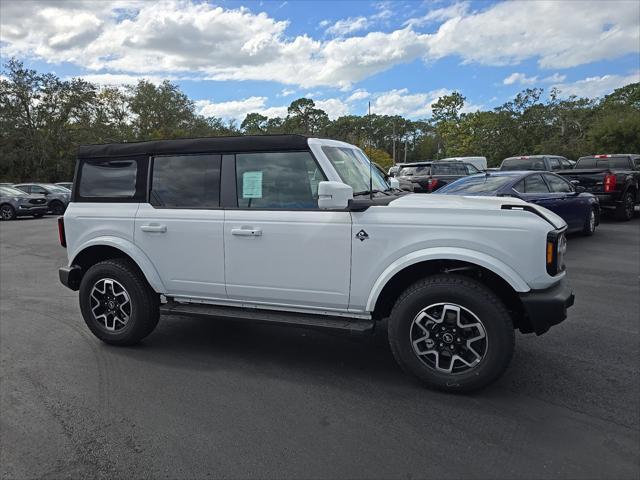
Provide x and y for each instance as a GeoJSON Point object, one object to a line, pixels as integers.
{"type": "Point", "coordinates": [445, 253]}
{"type": "Point", "coordinates": [127, 247]}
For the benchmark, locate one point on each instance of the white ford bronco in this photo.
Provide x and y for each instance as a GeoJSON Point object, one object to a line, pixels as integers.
{"type": "Point", "coordinates": [301, 231]}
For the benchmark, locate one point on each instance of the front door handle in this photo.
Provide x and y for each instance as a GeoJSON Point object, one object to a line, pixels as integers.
{"type": "Point", "coordinates": [246, 232]}
{"type": "Point", "coordinates": [154, 228]}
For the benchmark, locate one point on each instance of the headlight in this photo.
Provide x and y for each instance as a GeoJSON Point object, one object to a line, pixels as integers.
{"type": "Point", "coordinates": [556, 249]}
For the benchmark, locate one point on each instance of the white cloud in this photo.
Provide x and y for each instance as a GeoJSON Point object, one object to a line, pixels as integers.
{"type": "Point", "coordinates": [559, 34]}
{"type": "Point", "coordinates": [188, 38]}
{"type": "Point", "coordinates": [233, 109]}
{"type": "Point", "coordinates": [401, 102]}
{"type": "Point", "coordinates": [520, 78]}
{"type": "Point", "coordinates": [334, 107]}
{"type": "Point", "coordinates": [592, 87]}
{"type": "Point", "coordinates": [348, 25]}
{"type": "Point", "coordinates": [286, 92]}
{"type": "Point", "coordinates": [439, 14]}
{"type": "Point", "coordinates": [359, 94]}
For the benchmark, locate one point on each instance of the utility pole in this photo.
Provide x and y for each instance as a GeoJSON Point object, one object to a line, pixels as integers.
{"type": "Point", "coordinates": [405, 149]}
{"type": "Point", "coordinates": [394, 143]}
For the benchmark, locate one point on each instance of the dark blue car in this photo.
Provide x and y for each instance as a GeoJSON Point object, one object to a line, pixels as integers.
{"type": "Point", "coordinates": [579, 209]}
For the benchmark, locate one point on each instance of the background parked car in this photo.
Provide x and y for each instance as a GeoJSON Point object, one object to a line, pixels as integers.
{"type": "Point", "coordinates": [479, 162]}
{"type": "Point", "coordinates": [404, 185]}
{"type": "Point", "coordinates": [429, 176]}
{"type": "Point", "coordinates": [581, 210]}
{"type": "Point", "coordinates": [16, 203]}
{"type": "Point", "coordinates": [615, 179]}
{"type": "Point", "coordinates": [536, 162]}
{"type": "Point", "coordinates": [57, 197]}
{"type": "Point", "coordinates": [66, 185]}
{"type": "Point", "coordinates": [393, 171]}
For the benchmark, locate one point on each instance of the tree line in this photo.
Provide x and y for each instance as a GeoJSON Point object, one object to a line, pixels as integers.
{"type": "Point", "coordinates": [43, 119]}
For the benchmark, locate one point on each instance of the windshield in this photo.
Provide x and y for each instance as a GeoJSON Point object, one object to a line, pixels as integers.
{"type": "Point", "coordinates": [476, 185]}
{"type": "Point", "coordinates": [523, 164]}
{"type": "Point", "coordinates": [415, 170]}
{"type": "Point", "coordinates": [353, 167]}
{"type": "Point", "coordinates": [11, 191]}
{"type": "Point", "coordinates": [613, 162]}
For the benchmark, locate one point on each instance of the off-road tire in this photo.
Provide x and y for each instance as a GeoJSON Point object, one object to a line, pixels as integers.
{"type": "Point", "coordinates": [467, 293]}
{"type": "Point", "coordinates": [624, 211]}
{"type": "Point", "coordinates": [145, 303]}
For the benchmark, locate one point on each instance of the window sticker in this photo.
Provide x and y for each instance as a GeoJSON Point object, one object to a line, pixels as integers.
{"type": "Point", "coordinates": [252, 184]}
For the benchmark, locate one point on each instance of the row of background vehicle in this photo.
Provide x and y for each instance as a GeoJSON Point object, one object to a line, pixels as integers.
{"type": "Point", "coordinates": [33, 199]}
{"type": "Point", "coordinates": [577, 191]}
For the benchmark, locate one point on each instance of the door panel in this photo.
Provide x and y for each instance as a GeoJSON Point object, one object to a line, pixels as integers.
{"type": "Point", "coordinates": [292, 257]}
{"type": "Point", "coordinates": [186, 247]}
{"type": "Point", "coordinates": [181, 229]}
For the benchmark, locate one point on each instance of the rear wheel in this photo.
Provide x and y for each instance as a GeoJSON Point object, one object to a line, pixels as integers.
{"type": "Point", "coordinates": [452, 333]}
{"type": "Point", "coordinates": [56, 207]}
{"type": "Point", "coordinates": [625, 210]}
{"type": "Point", "coordinates": [590, 223]}
{"type": "Point", "coordinates": [7, 212]}
{"type": "Point", "coordinates": [117, 303]}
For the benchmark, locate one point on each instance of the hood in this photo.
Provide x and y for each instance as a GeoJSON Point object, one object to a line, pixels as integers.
{"type": "Point", "coordinates": [421, 200]}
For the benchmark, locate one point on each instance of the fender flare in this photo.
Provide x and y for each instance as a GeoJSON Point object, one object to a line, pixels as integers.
{"type": "Point", "coordinates": [445, 253]}
{"type": "Point", "coordinates": [136, 254]}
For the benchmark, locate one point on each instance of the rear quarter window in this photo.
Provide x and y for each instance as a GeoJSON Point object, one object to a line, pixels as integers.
{"type": "Point", "coordinates": [119, 179]}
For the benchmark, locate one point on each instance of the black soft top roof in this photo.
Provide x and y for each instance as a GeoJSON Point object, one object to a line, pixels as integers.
{"type": "Point", "coordinates": [246, 143]}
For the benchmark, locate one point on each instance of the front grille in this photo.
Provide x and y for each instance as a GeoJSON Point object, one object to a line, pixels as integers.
{"type": "Point", "coordinates": [37, 201]}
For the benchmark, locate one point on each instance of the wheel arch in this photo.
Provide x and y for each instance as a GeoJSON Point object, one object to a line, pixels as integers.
{"type": "Point", "coordinates": [398, 276]}
{"type": "Point", "coordinates": [105, 248]}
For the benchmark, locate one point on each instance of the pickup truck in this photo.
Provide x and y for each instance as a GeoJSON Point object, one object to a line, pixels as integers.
{"type": "Point", "coordinates": [613, 178]}
{"type": "Point", "coordinates": [549, 163]}
{"type": "Point", "coordinates": [429, 176]}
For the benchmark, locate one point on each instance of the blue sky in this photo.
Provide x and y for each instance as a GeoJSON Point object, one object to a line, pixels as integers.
{"type": "Point", "coordinates": [236, 57]}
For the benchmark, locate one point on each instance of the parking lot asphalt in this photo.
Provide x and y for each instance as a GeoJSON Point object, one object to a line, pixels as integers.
{"type": "Point", "coordinates": [216, 399]}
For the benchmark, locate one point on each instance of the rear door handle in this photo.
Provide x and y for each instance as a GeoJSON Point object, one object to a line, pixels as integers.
{"type": "Point", "coordinates": [154, 227]}
{"type": "Point", "coordinates": [246, 232]}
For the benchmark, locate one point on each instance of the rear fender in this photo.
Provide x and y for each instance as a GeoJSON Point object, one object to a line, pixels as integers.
{"type": "Point", "coordinates": [128, 248]}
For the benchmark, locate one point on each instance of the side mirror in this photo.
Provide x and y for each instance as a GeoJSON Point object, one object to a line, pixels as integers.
{"type": "Point", "coordinates": [334, 195]}
{"type": "Point", "coordinates": [579, 189]}
{"type": "Point", "coordinates": [394, 183]}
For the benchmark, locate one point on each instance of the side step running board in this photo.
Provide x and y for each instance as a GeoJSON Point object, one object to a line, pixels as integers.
{"type": "Point", "coordinates": [320, 322]}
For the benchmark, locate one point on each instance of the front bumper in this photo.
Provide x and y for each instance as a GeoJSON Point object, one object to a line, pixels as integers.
{"type": "Point", "coordinates": [25, 209]}
{"type": "Point", "coordinates": [70, 276]}
{"type": "Point", "coordinates": [545, 308]}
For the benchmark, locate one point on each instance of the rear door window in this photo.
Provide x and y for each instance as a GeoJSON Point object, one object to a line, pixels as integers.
{"type": "Point", "coordinates": [188, 181]}
{"type": "Point", "coordinates": [554, 163]}
{"type": "Point", "coordinates": [535, 184]}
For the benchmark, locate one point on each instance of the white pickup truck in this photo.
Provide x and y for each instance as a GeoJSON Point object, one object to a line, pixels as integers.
{"type": "Point", "coordinates": [293, 230]}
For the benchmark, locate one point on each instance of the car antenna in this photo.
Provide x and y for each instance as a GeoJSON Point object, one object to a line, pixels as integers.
{"type": "Point", "coordinates": [370, 151]}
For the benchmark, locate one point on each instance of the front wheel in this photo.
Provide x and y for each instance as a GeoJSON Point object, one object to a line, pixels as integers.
{"type": "Point", "coordinates": [452, 333]}
{"type": "Point", "coordinates": [57, 207]}
{"type": "Point", "coordinates": [7, 212]}
{"type": "Point", "coordinates": [625, 210]}
{"type": "Point", "coordinates": [117, 303]}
